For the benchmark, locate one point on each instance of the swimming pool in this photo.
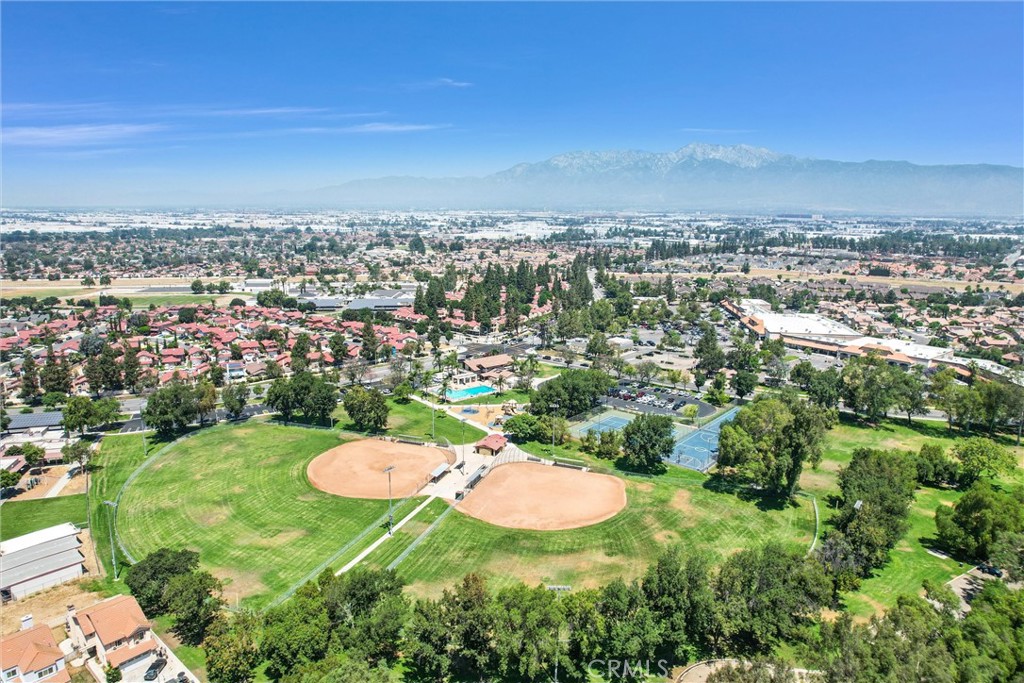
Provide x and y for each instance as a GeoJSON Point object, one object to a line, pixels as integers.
{"type": "Point", "coordinates": [469, 392]}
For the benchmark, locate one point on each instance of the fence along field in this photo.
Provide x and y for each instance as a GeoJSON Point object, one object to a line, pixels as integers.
{"type": "Point", "coordinates": [239, 494]}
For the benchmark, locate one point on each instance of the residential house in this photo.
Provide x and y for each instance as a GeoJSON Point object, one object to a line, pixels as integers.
{"type": "Point", "coordinates": [32, 655]}
{"type": "Point", "coordinates": [115, 632]}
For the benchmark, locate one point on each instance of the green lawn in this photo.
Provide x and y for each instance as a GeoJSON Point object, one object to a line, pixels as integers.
{"type": "Point", "coordinates": [909, 562]}
{"type": "Point", "coordinates": [238, 494]}
{"type": "Point", "coordinates": [546, 370]}
{"type": "Point", "coordinates": [413, 419]}
{"type": "Point", "coordinates": [390, 549]}
{"type": "Point", "coordinates": [678, 507]}
{"type": "Point", "coordinates": [118, 457]}
{"type": "Point", "coordinates": [18, 517]}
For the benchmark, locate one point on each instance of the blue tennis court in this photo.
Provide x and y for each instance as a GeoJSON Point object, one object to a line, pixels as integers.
{"type": "Point", "coordinates": [605, 422]}
{"type": "Point", "coordinates": [698, 450]}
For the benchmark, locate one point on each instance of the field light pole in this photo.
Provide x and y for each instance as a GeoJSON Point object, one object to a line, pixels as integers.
{"type": "Point", "coordinates": [110, 532]}
{"type": "Point", "coordinates": [391, 510]}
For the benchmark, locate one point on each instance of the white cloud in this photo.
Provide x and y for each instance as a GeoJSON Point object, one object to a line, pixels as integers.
{"type": "Point", "coordinates": [436, 83]}
{"type": "Point", "coordinates": [379, 127]}
{"type": "Point", "coordinates": [76, 135]}
{"type": "Point", "coordinates": [376, 127]}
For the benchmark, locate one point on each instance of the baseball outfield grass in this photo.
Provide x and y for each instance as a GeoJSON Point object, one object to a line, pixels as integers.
{"type": "Point", "coordinates": [238, 495]}
{"type": "Point", "coordinates": [680, 507]}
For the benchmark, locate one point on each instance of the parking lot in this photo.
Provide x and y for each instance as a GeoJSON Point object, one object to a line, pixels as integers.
{"type": "Point", "coordinates": [656, 400]}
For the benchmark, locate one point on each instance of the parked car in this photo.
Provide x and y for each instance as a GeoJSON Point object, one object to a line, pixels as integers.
{"type": "Point", "coordinates": [182, 677]}
{"type": "Point", "coordinates": [154, 669]}
{"type": "Point", "coordinates": [992, 571]}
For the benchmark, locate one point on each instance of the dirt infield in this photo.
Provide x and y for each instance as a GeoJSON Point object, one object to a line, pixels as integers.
{"type": "Point", "coordinates": [356, 469]}
{"type": "Point", "coordinates": [526, 495]}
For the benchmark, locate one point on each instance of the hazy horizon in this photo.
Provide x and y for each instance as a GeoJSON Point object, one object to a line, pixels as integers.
{"type": "Point", "coordinates": [186, 103]}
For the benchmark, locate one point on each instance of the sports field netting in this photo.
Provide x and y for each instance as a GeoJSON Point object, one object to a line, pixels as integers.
{"type": "Point", "coordinates": [602, 422]}
{"type": "Point", "coordinates": [698, 450]}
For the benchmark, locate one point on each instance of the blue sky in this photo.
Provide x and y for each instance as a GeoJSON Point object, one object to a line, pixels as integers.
{"type": "Point", "coordinates": [147, 102]}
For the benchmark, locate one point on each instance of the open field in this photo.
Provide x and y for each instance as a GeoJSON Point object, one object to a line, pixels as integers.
{"type": "Point", "coordinates": [144, 300]}
{"type": "Point", "coordinates": [910, 563]}
{"type": "Point", "coordinates": [117, 459]}
{"type": "Point", "coordinates": [23, 517]}
{"type": "Point", "coordinates": [413, 419]}
{"type": "Point", "coordinates": [238, 494]}
{"type": "Point", "coordinates": [679, 507]}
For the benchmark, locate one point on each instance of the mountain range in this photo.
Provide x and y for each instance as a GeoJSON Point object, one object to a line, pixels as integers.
{"type": "Point", "coordinates": [704, 177]}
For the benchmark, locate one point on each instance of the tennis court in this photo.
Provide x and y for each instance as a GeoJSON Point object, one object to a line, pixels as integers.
{"type": "Point", "coordinates": [605, 421]}
{"type": "Point", "coordinates": [698, 450]}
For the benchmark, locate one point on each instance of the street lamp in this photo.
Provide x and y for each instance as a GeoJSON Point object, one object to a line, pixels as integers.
{"type": "Point", "coordinates": [391, 510]}
{"type": "Point", "coordinates": [110, 532]}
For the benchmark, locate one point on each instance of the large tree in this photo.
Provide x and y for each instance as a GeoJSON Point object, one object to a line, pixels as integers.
{"type": "Point", "coordinates": [172, 408]}
{"type": "Point", "coordinates": [148, 579]}
{"type": "Point", "coordinates": [367, 408]}
{"type": "Point", "coordinates": [647, 442]}
{"type": "Point", "coordinates": [974, 526]}
{"type": "Point", "coordinates": [572, 392]}
{"type": "Point", "coordinates": [232, 647]}
{"type": "Point", "coordinates": [281, 397]}
{"type": "Point", "coordinates": [29, 379]}
{"type": "Point", "coordinates": [980, 457]}
{"type": "Point", "coordinates": [193, 599]}
{"type": "Point", "coordinates": [709, 355]}
{"type": "Point", "coordinates": [770, 440]}
{"type": "Point", "coordinates": [765, 594]}
{"type": "Point", "coordinates": [235, 397]}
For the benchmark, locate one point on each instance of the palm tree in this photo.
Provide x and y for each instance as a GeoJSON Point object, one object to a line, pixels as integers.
{"type": "Point", "coordinates": [499, 384]}
{"type": "Point", "coordinates": [446, 384]}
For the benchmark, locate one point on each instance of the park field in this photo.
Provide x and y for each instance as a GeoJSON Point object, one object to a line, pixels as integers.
{"type": "Point", "coordinates": [681, 507]}
{"type": "Point", "coordinates": [238, 495]}
{"type": "Point", "coordinates": [910, 563]}
{"type": "Point", "coordinates": [413, 419]}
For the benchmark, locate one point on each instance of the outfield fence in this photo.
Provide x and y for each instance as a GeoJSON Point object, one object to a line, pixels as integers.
{"type": "Point", "coordinates": [135, 475]}
{"type": "Point", "coordinates": [378, 523]}
{"type": "Point", "coordinates": [422, 537]}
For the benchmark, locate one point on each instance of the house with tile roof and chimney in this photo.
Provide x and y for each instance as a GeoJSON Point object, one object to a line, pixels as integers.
{"type": "Point", "coordinates": [32, 655]}
{"type": "Point", "coordinates": [114, 632]}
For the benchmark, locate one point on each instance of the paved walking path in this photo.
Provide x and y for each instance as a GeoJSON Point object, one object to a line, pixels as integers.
{"type": "Point", "coordinates": [59, 485]}
{"type": "Point", "coordinates": [373, 546]}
